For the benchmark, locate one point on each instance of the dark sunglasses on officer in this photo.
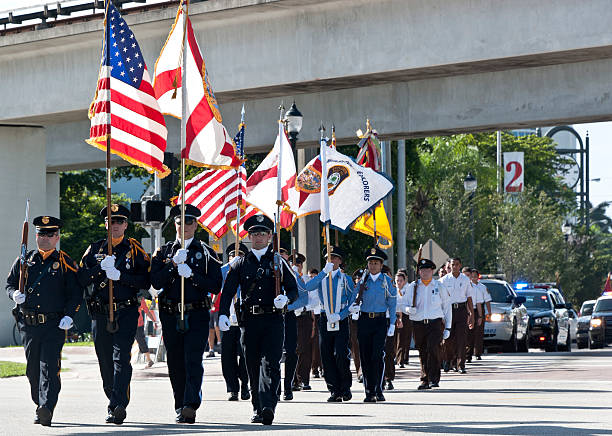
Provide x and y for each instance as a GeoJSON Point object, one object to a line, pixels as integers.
{"type": "Point", "coordinates": [47, 233]}
{"type": "Point", "coordinates": [189, 220]}
{"type": "Point", "coordinates": [116, 220]}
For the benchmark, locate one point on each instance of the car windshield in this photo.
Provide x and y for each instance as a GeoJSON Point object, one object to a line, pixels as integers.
{"type": "Point", "coordinates": [604, 305]}
{"type": "Point", "coordinates": [499, 292]}
{"type": "Point", "coordinates": [587, 309]}
{"type": "Point", "coordinates": [536, 300]}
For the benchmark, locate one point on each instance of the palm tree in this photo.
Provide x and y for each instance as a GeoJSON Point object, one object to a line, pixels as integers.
{"type": "Point", "coordinates": [599, 218]}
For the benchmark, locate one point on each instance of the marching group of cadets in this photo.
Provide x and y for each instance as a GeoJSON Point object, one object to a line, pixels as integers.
{"type": "Point", "coordinates": [353, 316]}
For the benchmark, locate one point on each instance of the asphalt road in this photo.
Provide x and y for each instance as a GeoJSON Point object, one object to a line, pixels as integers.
{"type": "Point", "coordinates": [504, 394]}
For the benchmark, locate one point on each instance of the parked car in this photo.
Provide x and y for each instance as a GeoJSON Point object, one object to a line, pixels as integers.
{"type": "Point", "coordinates": [600, 330]}
{"type": "Point", "coordinates": [507, 325]}
{"type": "Point", "coordinates": [549, 326]}
{"type": "Point", "coordinates": [584, 323]}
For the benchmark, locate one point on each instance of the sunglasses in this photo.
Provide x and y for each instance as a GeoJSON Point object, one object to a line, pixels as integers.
{"type": "Point", "coordinates": [188, 221]}
{"type": "Point", "coordinates": [46, 234]}
{"type": "Point", "coordinates": [118, 220]}
{"type": "Point", "coordinates": [258, 234]}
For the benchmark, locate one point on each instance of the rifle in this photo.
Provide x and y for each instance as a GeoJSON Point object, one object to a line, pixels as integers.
{"type": "Point", "coordinates": [277, 263]}
{"type": "Point", "coordinates": [362, 286]}
{"type": "Point", "coordinates": [414, 291]}
{"type": "Point", "coordinates": [23, 264]}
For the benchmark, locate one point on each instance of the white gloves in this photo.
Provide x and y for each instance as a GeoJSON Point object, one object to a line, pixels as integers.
{"type": "Point", "coordinates": [108, 262]}
{"type": "Point", "coordinates": [295, 269]}
{"type": "Point", "coordinates": [446, 334]}
{"type": "Point", "coordinates": [113, 273]}
{"type": "Point", "coordinates": [19, 297]}
{"type": "Point", "coordinates": [329, 267]}
{"type": "Point", "coordinates": [280, 301]}
{"type": "Point", "coordinates": [354, 308]}
{"type": "Point", "coordinates": [154, 292]}
{"type": "Point", "coordinates": [391, 330]}
{"type": "Point", "coordinates": [184, 270]}
{"type": "Point", "coordinates": [65, 323]}
{"type": "Point", "coordinates": [180, 256]}
{"type": "Point", "coordinates": [224, 323]}
{"type": "Point", "coordinates": [412, 310]}
{"type": "Point", "coordinates": [234, 260]}
{"type": "Point", "coordinates": [333, 318]}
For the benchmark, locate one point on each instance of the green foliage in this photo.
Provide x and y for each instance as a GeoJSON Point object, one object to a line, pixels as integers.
{"type": "Point", "coordinates": [12, 369]}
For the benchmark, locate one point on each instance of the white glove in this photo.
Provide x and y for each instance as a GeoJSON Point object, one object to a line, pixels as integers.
{"type": "Point", "coordinates": [333, 318]}
{"type": "Point", "coordinates": [234, 260]}
{"type": "Point", "coordinates": [329, 267]}
{"type": "Point", "coordinates": [65, 323]}
{"type": "Point", "coordinates": [295, 269]}
{"type": "Point", "coordinates": [113, 274]}
{"type": "Point", "coordinates": [354, 308]}
{"type": "Point", "coordinates": [180, 256]}
{"type": "Point", "coordinates": [224, 323]}
{"type": "Point", "coordinates": [19, 297]}
{"type": "Point", "coordinates": [154, 292]}
{"type": "Point", "coordinates": [280, 301]}
{"type": "Point", "coordinates": [446, 334]}
{"type": "Point", "coordinates": [412, 310]}
{"type": "Point", "coordinates": [391, 330]}
{"type": "Point", "coordinates": [108, 262]}
{"type": "Point", "coordinates": [184, 270]}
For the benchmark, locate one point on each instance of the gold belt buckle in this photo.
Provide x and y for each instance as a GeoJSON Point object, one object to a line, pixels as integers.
{"type": "Point", "coordinates": [103, 285]}
{"type": "Point", "coordinates": [41, 318]}
{"type": "Point", "coordinates": [371, 315]}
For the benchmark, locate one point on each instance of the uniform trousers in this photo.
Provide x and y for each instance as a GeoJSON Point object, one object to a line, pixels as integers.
{"type": "Point", "coordinates": [43, 348]}
{"type": "Point", "coordinates": [372, 334]}
{"type": "Point", "coordinates": [316, 351]}
{"type": "Point", "coordinates": [403, 341]}
{"type": "Point", "coordinates": [290, 347]}
{"type": "Point", "coordinates": [478, 334]}
{"type": "Point", "coordinates": [336, 356]}
{"type": "Point", "coordinates": [355, 346]}
{"type": "Point", "coordinates": [114, 351]}
{"type": "Point", "coordinates": [304, 348]}
{"type": "Point", "coordinates": [141, 340]}
{"type": "Point", "coordinates": [184, 355]}
{"type": "Point", "coordinates": [471, 337]}
{"type": "Point", "coordinates": [233, 365]}
{"type": "Point", "coordinates": [455, 346]}
{"type": "Point", "coordinates": [262, 342]}
{"type": "Point", "coordinates": [427, 339]}
{"type": "Point", "coordinates": [390, 349]}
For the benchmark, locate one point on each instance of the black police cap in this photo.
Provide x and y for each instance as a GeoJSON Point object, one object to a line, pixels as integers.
{"type": "Point", "coordinates": [375, 253]}
{"type": "Point", "coordinates": [299, 258]}
{"type": "Point", "coordinates": [231, 249]}
{"type": "Point", "coordinates": [426, 263]}
{"type": "Point", "coordinates": [46, 222]}
{"type": "Point", "coordinates": [190, 211]}
{"type": "Point", "coordinates": [259, 223]}
{"type": "Point", "coordinates": [117, 211]}
{"type": "Point", "coordinates": [336, 251]}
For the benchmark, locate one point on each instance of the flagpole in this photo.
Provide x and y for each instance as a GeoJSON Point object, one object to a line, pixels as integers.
{"type": "Point", "coordinates": [325, 215]}
{"type": "Point", "coordinates": [185, 6]}
{"type": "Point", "coordinates": [111, 325]}
{"type": "Point", "coordinates": [334, 146]}
{"type": "Point", "coordinates": [279, 184]}
{"type": "Point", "coordinates": [239, 202]}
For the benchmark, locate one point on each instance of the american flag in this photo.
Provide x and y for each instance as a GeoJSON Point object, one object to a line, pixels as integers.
{"type": "Point", "coordinates": [125, 107]}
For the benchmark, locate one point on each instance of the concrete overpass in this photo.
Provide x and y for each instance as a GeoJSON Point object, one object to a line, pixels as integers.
{"type": "Point", "coordinates": [415, 67]}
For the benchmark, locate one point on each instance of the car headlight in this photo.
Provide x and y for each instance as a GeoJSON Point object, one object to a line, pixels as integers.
{"type": "Point", "coordinates": [543, 320]}
{"type": "Point", "coordinates": [497, 317]}
{"type": "Point", "coordinates": [596, 322]}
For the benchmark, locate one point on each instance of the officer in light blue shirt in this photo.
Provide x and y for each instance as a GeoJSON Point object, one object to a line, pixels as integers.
{"type": "Point", "coordinates": [377, 296]}
{"type": "Point", "coordinates": [334, 332]}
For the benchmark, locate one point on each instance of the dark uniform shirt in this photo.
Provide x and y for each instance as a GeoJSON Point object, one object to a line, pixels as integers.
{"type": "Point", "coordinates": [256, 279]}
{"type": "Point", "coordinates": [58, 291]}
{"type": "Point", "coordinates": [131, 261]}
{"type": "Point", "coordinates": [205, 266]}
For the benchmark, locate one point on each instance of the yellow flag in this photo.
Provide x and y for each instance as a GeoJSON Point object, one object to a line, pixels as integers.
{"type": "Point", "coordinates": [365, 224]}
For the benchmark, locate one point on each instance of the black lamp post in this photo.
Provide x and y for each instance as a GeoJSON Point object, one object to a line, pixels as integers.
{"type": "Point", "coordinates": [294, 123]}
{"type": "Point", "coordinates": [470, 184]}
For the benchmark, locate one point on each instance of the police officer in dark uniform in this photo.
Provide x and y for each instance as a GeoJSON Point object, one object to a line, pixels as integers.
{"type": "Point", "coordinates": [261, 314]}
{"type": "Point", "coordinates": [128, 268]}
{"type": "Point", "coordinates": [44, 312]}
{"type": "Point", "coordinates": [198, 264]}
{"type": "Point", "coordinates": [233, 364]}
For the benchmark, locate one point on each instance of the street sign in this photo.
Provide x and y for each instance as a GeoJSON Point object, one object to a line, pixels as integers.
{"type": "Point", "coordinates": [514, 171]}
{"type": "Point", "coordinates": [433, 252]}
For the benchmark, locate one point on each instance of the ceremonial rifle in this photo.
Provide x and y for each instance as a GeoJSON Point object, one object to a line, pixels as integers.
{"type": "Point", "coordinates": [414, 291]}
{"type": "Point", "coordinates": [23, 264]}
{"type": "Point", "coordinates": [362, 286]}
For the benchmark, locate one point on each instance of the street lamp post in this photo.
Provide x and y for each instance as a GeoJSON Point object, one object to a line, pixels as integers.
{"type": "Point", "coordinates": [566, 228]}
{"type": "Point", "coordinates": [294, 123]}
{"type": "Point", "coordinates": [470, 184]}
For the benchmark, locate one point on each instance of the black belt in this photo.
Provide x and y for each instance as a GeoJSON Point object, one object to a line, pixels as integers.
{"type": "Point", "coordinates": [175, 308]}
{"type": "Point", "coordinates": [35, 318]}
{"type": "Point", "coordinates": [373, 314]}
{"type": "Point", "coordinates": [307, 313]}
{"type": "Point", "coordinates": [458, 305]}
{"type": "Point", "coordinates": [98, 306]}
{"type": "Point", "coordinates": [261, 310]}
{"type": "Point", "coordinates": [425, 321]}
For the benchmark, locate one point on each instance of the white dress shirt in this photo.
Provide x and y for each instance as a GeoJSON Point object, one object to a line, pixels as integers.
{"type": "Point", "coordinates": [432, 302]}
{"type": "Point", "coordinates": [459, 288]}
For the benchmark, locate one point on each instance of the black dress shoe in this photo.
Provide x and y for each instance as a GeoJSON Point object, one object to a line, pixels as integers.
{"type": "Point", "coordinates": [468, 360]}
{"type": "Point", "coordinates": [245, 394]}
{"type": "Point", "coordinates": [478, 358]}
{"type": "Point", "coordinates": [110, 418]}
{"type": "Point", "coordinates": [316, 374]}
{"type": "Point", "coordinates": [380, 397]}
{"type": "Point", "coordinates": [401, 365]}
{"type": "Point", "coordinates": [463, 371]}
{"type": "Point", "coordinates": [189, 414]}
{"type": "Point", "coordinates": [36, 418]}
{"type": "Point", "coordinates": [44, 416]}
{"type": "Point", "coordinates": [288, 396]}
{"type": "Point", "coordinates": [424, 386]}
{"type": "Point", "coordinates": [369, 399]}
{"type": "Point", "coordinates": [256, 419]}
{"type": "Point", "coordinates": [434, 385]}
{"type": "Point", "coordinates": [233, 396]}
{"type": "Point", "coordinates": [267, 416]}
{"type": "Point", "coordinates": [119, 414]}
{"type": "Point", "coordinates": [296, 388]}
{"type": "Point", "coordinates": [180, 419]}
{"type": "Point", "coordinates": [390, 386]}
{"type": "Point", "coordinates": [334, 398]}
{"type": "Point", "coordinates": [360, 378]}
{"type": "Point", "coordinates": [307, 388]}
{"type": "Point", "coordinates": [347, 396]}
{"type": "Point", "coordinates": [445, 366]}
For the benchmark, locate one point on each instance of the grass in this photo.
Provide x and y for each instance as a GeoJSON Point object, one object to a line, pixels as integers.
{"type": "Point", "coordinates": [79, 344]}
{"type": "Point", "coordinates": [11, 369]}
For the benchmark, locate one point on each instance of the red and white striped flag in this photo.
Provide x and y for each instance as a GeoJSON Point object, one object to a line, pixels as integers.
{"type": "Point", "coordinates": [207, 141]}
{"type": "Point", "coordinates": [124, 105]}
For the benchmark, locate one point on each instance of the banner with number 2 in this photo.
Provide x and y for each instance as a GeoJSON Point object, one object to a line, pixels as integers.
{"type": "Point", "coordinates": [514, 171]}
